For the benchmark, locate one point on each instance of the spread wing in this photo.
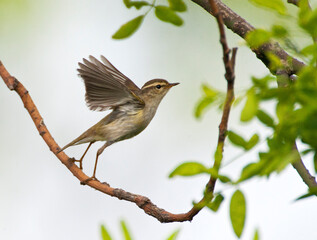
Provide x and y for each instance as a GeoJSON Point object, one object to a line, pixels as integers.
{"type": "Point", "coordinates": [106, 86]}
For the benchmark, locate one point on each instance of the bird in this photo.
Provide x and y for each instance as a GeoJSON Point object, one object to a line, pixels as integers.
{"type": "Point", "coordinates": [132, 108]}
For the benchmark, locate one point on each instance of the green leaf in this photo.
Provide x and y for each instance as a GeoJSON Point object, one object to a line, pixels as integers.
{"type": "Point", "coordinates": [166, 14]}
{"type": "Point", "coordinates": [209, 91]}
{"type": "Point", "coordinates": [136, 4]}
{"type": "Point", "coordinates": [275, 61]}
{"type": "Point", "coordinates": [252, 142]}
{"type": "Point", "coordinates": [174, 235]}
{"type": "Point", "coordinates": [276, 5]}
{"type": "Point", "coordinates": [280, 155]}
{"type": "Point", "coordinates": [127, 3]}
{"type": "Point", "coordinates": [189, 169]}
{"type": "Point", "coordinates": [258, 37]}
{"type": "Point", "coordinates": [203, 105]}
{"type": "Point", "coordinates": [177, 5]}
{"type": "Point", "coordinates": [216, 202]}
{"type": "Point", "coordinates": [224, 179]}
{"type": "Point", "coordinates": [104, 233]}
{"type": "Point", "coordinates": [127, 29]}
{"type": "Point", "coordinates": [279, 31]}
{"type": "Point", "coordinates": [240, 142]}
{"type": "Point", "coordinates": [210, 96]}
{"type": "Point", "coordinates": [251, 106]}
{"type": "Point", "coordinates": [237, 212]}
{"type": "Point", "coordinates": [307, 18]}
{"type": "Point", "coordinates": [311, 192]}
{"type": "Point", "coordinates": [256, 235]}
{"type": "Point", "coordinates": [236, 139]}
{"type": "Point", "coordinates": [250, 170]}
{"type": "Point", "coordinates": [139, 4]}
{"type": "Point", "coordinates": [265, 118]}
{"type": "Point", "coordinates": [125, 230]}
{"type": "Point", "coordinates": [264, 82]}
{"type": "Point", "coordinates": [309, 50]}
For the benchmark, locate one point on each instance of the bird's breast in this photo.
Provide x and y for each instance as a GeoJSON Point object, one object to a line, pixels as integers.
{"type": "Point", "coordinates": [126, 125]}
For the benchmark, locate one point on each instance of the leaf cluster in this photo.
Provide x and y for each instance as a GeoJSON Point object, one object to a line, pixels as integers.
{"type": "Point", "coordinates": [294, 117]}
{"type": "Point", "coordinates": [166, 13]}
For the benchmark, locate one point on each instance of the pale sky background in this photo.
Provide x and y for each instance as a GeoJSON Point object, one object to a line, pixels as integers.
{"type": "Point", "coordinates": [41, 43]}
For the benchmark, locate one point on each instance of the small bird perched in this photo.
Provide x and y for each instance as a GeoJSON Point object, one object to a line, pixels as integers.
{"type": "Point", "coordinates": [132, 108]}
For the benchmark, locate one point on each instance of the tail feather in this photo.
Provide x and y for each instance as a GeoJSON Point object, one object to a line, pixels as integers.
{"type": "Point", "coordinates": [80, 140]}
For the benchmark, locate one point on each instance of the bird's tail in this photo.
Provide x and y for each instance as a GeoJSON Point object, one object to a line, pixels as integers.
{"type": "Point", "coordinates": [84, 138]}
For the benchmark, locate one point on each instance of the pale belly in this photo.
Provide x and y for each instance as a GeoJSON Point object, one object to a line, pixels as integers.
{"type": "Point", "coordinates": [122, 128]}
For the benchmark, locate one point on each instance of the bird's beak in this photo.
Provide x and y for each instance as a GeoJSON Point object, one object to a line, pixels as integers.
{"type": "Point", "coordinates": [173, 84]}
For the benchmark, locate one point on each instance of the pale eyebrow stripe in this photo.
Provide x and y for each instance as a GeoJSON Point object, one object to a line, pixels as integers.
{"type": "Point", "coordinates": [154, 84]}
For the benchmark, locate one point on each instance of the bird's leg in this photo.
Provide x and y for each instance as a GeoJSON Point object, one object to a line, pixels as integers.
{"type": "Point", "coordinates": [100, 150]}
{"type": "Point", "coordinates": [81, 159]}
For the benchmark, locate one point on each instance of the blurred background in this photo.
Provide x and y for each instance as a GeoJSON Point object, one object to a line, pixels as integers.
{"type": "Point", "coordinates": [41, 43]}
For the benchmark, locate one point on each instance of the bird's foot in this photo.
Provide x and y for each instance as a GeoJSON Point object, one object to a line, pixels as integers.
{"type": "Point", "coordinates": [84, 182]}
{"type": "Point", "coordinates": [80, 162]}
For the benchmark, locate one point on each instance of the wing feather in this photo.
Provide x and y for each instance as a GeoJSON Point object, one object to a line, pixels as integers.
{"type": "Point", "coordinates": [106, 87]}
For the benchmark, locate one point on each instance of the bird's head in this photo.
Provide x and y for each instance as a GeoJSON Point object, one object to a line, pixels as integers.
{"type": "Point", "coordinates": [154, 90]}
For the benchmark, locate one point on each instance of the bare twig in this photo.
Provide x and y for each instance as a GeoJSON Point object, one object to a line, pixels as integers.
{"type": "Point", "coordinates": [230, 76]}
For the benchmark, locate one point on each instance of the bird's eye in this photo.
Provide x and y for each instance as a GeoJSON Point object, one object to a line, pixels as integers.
{"type": "Point", "coordinates": [158, 86]}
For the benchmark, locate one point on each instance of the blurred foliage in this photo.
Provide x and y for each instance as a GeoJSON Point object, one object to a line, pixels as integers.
{"type": "Point", "coordinates": [215, 204]}
{"type": "Point", "coordinates": [7, 7]}
{"type": "Point", "coordinates": [256, 235]}
{"type": "Point", "coordinates": [237, 212]}
{"type": "Point", "coordinates": [105, 235]}
{"type": "Point", "coordinates": [166, 13]}
{"type": "Point", "coordinates": [275, 5]}
{"type": "Point", "coordinates": [295, 110]}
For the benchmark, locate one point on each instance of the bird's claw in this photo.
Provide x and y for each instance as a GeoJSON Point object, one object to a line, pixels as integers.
{"type": "Point", "coordinates": [73, 160]}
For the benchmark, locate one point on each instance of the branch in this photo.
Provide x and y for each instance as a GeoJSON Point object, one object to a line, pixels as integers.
{"type": "Point", "coordinates": [303, 172]}
{"type": "Point", "coordinates": [230, 76]}
{"type": "Point", "coordinates": [282, 81]}
{"type": "Point", "coordinates": [290, 65]}
{"type": "Point", "coordinates": [241, 27]}
{"type": "Point", "coordinates": [141, 201]}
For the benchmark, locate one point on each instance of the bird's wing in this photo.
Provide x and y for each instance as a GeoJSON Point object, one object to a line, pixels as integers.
{"type": "Point", "coordinates": [107, 87]}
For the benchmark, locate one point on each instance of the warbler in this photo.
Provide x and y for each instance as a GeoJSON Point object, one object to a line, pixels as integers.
{"type": "Point", "coordinates": [132, 108]}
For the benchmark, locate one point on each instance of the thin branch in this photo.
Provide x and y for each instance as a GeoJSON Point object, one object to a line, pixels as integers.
{"type": "Point", "coordinates": [241, 27]}
{"type": "Point", "coordinates": [282, 81]}
{"type": "Point", "coordinates": [230, 76]}
{"type": "Point", "coordinates": [141, 201]}
{"type": "Point", "coordinates": [303, 172]}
